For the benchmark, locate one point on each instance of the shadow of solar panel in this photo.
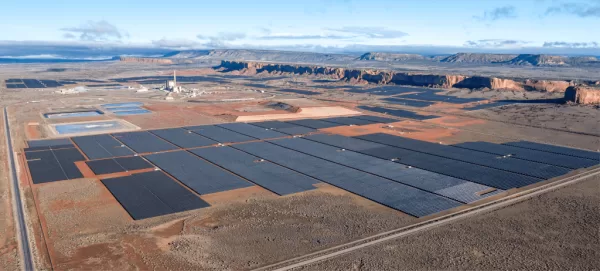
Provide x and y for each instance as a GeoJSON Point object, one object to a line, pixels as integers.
{"type": "Point", "coordinates": [556, 149]}
{"type": "Point", "coordinates": [279, 180]}
{"type": "Point", "coordinates": [144, 142]}
{"type": "Point", "coordinates": [414, 177]}
{"type": "Point", "coordinates": [49, 142]}
{"type": "Point", "coordinates": [397, 112]}
{"type": "Point", "coordinates": [348, 121]}
{"type": "Point", "coordinates": [375, 119]}
{"type": "Point", "coordinates": [43, 167]}
{"type": "Point", "coordinates": [313, 123]}
{"type": "Point", "coordinates": [406, 102]}
{"type": "Point", "coordinates": [530, 155]}
{"type": "Point", "coordinates": [395, 195]}
{"type": "Point", "coordinates": [528, 168]}
{"type": "Point", "coordinates": [152, 194]}
{"type": "Point", "coordinates": [220, 134]}
{"type": "Point", "coordinates": [195, 173]}
{"type": "Point", "coordinates": [251, 130]}
{"type": "Point", "coordinates": [184, 138]}
{"type": "Point", "coordinates": [450, 167]}
{"type": "Point", "coordinates": [101, 146]}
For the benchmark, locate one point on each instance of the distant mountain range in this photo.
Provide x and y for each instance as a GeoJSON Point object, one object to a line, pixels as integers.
{"type": "Point", "coordinates": [307, 57]}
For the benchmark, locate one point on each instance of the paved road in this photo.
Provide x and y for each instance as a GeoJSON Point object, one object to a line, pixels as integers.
{"type": "Point", "coordinates": [22, 230]}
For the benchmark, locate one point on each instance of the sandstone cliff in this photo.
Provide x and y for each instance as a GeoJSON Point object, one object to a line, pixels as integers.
{"type": "Point", "coordinates": [478, 58]}
{"type": "Point", "coordinates": [400, 78]}
{"type": "Point", "coordinates": [583, 95]}
{"type": "Point", "coordinates": [392, 57]}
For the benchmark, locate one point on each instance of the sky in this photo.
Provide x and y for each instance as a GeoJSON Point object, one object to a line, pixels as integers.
{"type": "Point", "coordinates": [570, 26]}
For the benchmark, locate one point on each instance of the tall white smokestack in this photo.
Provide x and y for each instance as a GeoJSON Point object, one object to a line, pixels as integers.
{"type": "Point", "coordinates": [175, 78]}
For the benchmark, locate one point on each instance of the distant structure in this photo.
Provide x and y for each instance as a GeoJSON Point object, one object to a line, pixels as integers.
{"type": "Point", "coordinates": [172, 85]}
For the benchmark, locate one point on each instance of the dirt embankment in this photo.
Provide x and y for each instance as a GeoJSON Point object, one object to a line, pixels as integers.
{"type": "Point", "coordinates": [400, 78]}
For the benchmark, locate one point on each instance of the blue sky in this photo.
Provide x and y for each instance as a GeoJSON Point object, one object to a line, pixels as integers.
{"type": "Point", "coordinates": [489, 24]}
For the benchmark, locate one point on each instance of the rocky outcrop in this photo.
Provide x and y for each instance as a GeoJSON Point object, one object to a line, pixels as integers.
{"type": "Point", "coordinates": [392, 57]}
{"type": "Point", "coordinates": [583, 95]}
{"type": "Point", "coordinates": [478, 58]}
{"type": "Point", "coordinates": [399, 78]}
{"type": "Point", "coordinates": [146, 60]}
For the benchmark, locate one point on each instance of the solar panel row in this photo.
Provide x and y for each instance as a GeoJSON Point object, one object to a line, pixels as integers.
{"type": "Point", "coordinates": [395, 195]}
{"type": "Point", "coordinates": [197, 174]}
{"type": "Point", "coordinates": [529, 168]}
{"type": "Point", "coordinates": [413, 103]}
{"type": "Point", "coordinates": [446, 166]}
{"type": "Point", "coordinates": [277, 179]}
{"type": "Point", "coordinates": [120, 164]}
{"type": "Point", "coordinates": [425, 180]}
{"type": "Point", "coordinates": [556, 149]}
{"type": "Point", "coordinates": [53, 165]}
{"type": "Point", "coordinates": [101, 146]}
{"type": "Point", "coordinates": [152, 194]}
{"type": "Point", "coordinates": [549, 158]}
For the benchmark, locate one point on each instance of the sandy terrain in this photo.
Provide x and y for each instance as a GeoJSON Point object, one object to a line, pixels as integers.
{"type": "Point", "coordinates": [555, 231]}
{"type": "Point", "coordinates": [77, 224]}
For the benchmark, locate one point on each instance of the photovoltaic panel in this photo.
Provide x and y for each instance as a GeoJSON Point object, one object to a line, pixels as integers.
{"type": "Point", "coordinates": [144, 142]}
{"type": "Point", "coordinates": [397, 112]}
{"type": "Point", "coordinates": [348, 121]}
{"type": "Point", "coordinates": [395, 195]}
{"type": "Point", "coordinates": [313, 123]}
{"type": "Point", "coordinates": [447, 186]}
{"type": "Point", "coordinates": [375, 119]}
{"type": "Point", "coordinates": [49, 142]}
{"type": "Point", "coordinates": [280, 180]}
{"type": "Point", "coordinates": [101, 146]}
{"type": "Point", "coordinates": [391, 90]}
{"type": "Point", "coordinates": [197, 174]}
{"type": "Point", "coordinates": [53, 165]}
{"type": "Point", "coordinates": [120, 164]}
{"type": "Point", "coordinates": [152, 194]}
{"type": "Point", "coordinates": [450, 167]}
{"type": "Point", "coordinates": [556, 149]}
{"type": "Point", "coordinates": [220, 134]}
{"type": "Point", "coordinates": [406, 102]}
{"type": "Point", "coordinates": [530, 154]}
{"type": "Point", "coordinates": [252, 130]}
{"type": "Point", "coordinates": [528, 168]}
{"type": "Point", "coordinates": [298, 130]}
{"type": "Point", "coordinates": [183, 138]}
{"type": "Point", "coordinates": [43, 167]}
{"type": "Point", "coordinates": [67, 158]}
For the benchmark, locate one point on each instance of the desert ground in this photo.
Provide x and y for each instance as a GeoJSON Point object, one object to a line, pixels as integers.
{"type": "Point", "coordinates": [78, 224]}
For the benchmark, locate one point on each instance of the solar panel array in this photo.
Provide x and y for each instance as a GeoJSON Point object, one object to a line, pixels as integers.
{"type": "Point", "coordinates": [173, 166]}
{"type": "Point", "coordinates": [34, 83]}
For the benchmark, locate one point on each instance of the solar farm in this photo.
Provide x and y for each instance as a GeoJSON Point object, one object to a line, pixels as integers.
{"type": "Point", "coordinates": [259, 172]}
{"type": "Point", "coordinates": [165, 171]}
